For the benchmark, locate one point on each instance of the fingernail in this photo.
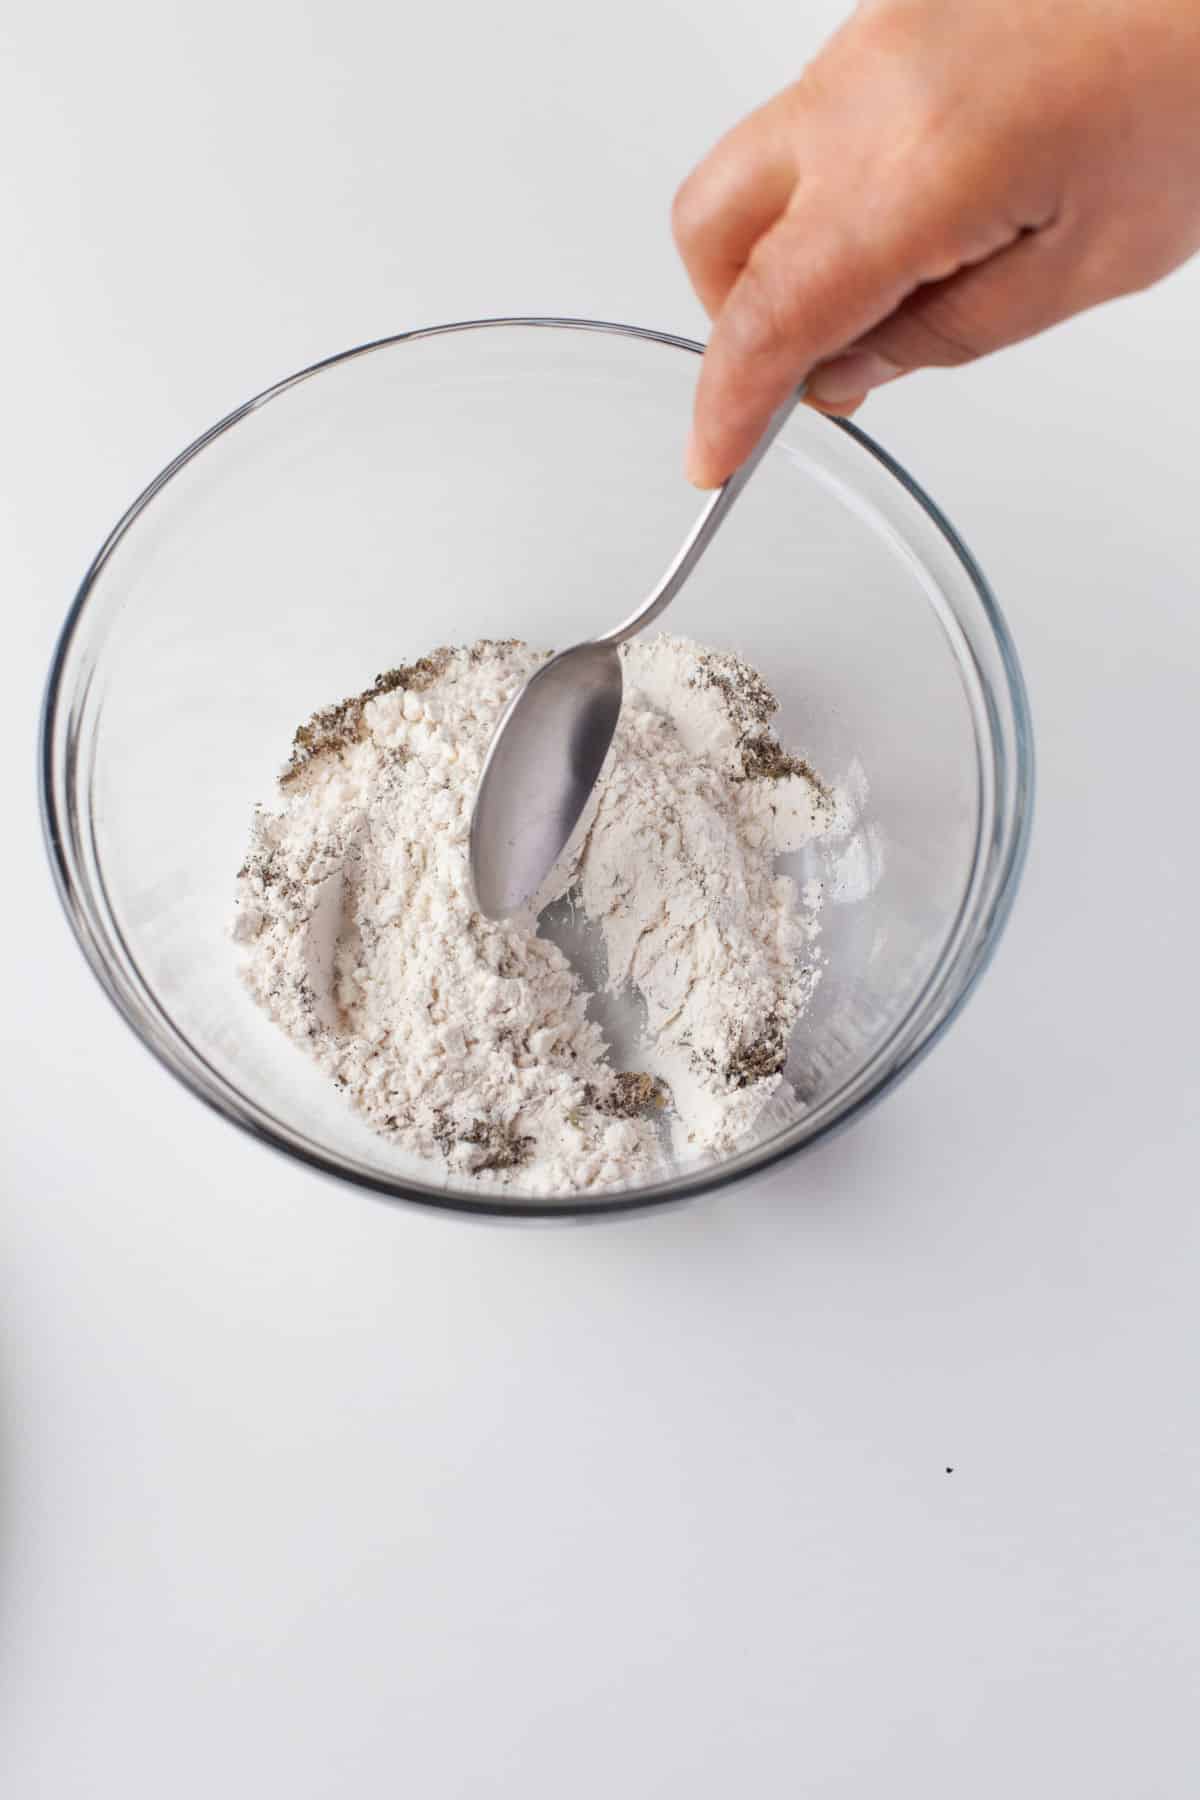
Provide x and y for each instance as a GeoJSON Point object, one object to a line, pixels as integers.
{"type": "Point", "coordinates": [851, 376]}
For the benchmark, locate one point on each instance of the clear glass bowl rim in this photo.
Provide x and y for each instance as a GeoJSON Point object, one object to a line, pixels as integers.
{"type": "Point", "coordinates": [968, 952]}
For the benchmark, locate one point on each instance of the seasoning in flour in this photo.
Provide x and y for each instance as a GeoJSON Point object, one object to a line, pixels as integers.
{"type": "Point", "coordinates": [469, 1042]}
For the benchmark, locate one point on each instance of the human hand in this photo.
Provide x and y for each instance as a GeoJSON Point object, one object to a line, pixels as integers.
{"type": "Point", "coordinates": [947, 177]}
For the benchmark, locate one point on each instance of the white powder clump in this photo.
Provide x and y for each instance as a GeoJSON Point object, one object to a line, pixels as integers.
{"type": "Point", "coordinates": [469, 1042]}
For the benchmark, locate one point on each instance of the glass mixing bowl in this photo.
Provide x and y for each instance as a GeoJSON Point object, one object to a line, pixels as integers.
{"type": "Point", "coordinates": [521, 477]}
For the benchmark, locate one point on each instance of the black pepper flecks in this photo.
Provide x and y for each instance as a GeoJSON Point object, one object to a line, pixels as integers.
{"type": "Point", "coordinates": [752, 706]}
{"type": "Point", "coordinates": [502, 1145]}
{"type": "Point", "coordinates": [765, 759]}
{"type": "Point", "coordinates": [631, 1094]}
{"type": "Point", "coordinates": [750, 700]}
{"type": "Point", "coordinates": [764, 1055]}
{"type": "Point", "coordinates": [336, 727]}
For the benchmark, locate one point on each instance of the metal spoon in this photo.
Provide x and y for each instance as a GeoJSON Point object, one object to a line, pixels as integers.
{"type": "Point", "coordinates": [554, 734]}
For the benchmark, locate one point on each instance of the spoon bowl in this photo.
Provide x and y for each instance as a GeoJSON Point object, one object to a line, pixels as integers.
{"type": "Point", "coordinates": [540, 770]}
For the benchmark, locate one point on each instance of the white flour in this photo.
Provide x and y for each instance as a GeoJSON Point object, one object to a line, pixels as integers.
{"type": "Point", "coordinates": [470, 1043]}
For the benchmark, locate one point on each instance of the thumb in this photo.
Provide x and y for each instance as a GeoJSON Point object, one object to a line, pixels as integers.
{"type": "Point", "coordinates": [1035, 282]}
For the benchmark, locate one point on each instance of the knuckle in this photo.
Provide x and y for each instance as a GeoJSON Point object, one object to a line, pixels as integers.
{"type": "Point", "coordinates": [1129, 255]}
{"type": "Point", "coordinates": [691, 210]}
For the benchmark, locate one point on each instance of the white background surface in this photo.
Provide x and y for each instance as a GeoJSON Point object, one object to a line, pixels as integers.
{"type": "Point", "coordinates": [301, 1494]}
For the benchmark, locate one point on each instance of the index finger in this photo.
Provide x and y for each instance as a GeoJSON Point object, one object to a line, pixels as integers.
{"type": "Point", "coordinates": [812, 285]}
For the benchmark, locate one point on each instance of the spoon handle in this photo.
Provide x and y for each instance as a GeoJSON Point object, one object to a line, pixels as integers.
{"type": "Point", "coordinates": [702, 532]}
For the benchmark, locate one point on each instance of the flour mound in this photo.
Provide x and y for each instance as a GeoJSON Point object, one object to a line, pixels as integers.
{"type": "Point", "coordinates": [469, 1042]}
